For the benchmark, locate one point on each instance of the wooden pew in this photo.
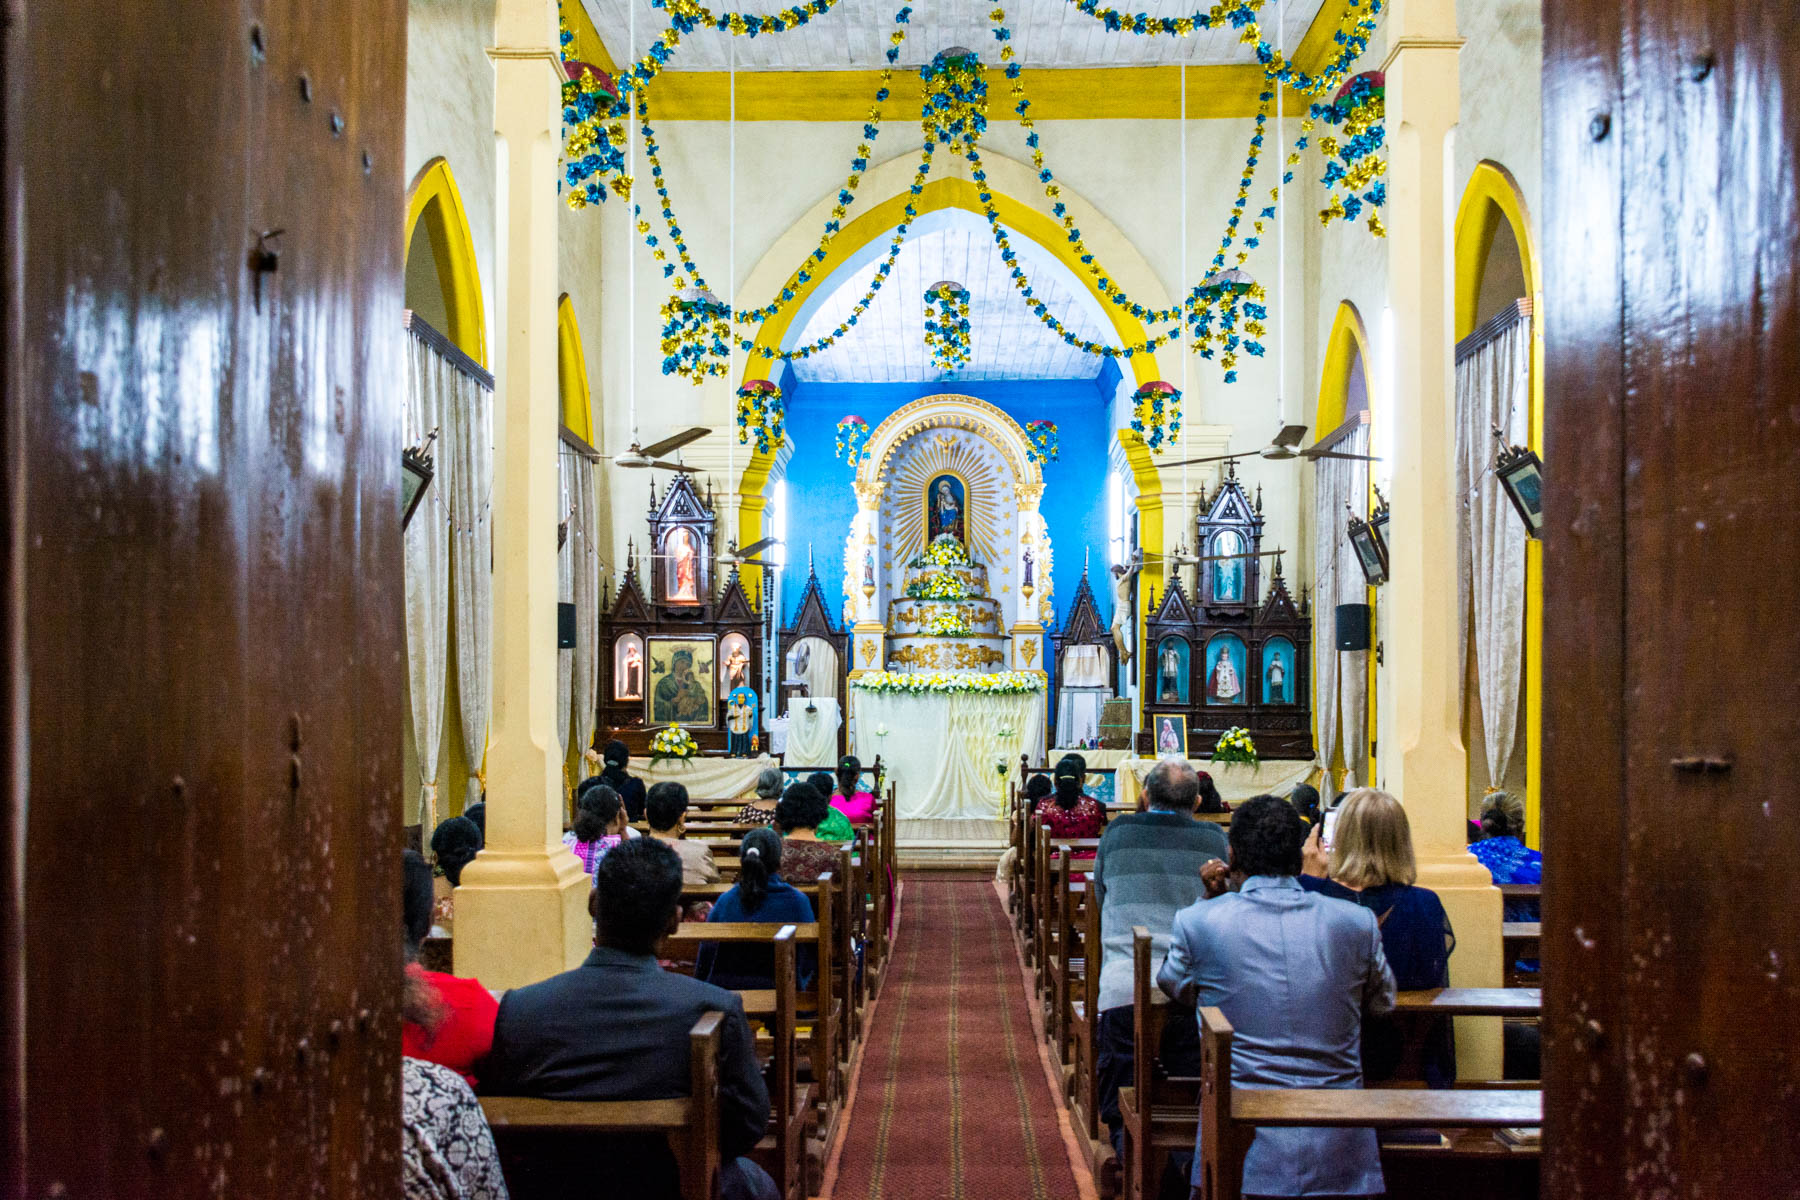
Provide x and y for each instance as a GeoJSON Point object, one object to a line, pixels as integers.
{"type": "Point", "coordinates": [1228, 1117]}
{"type": "Point", "coordinates": [1084, 1021]}
{"type": "Point", "coordinates": [690, 1123]}
{"type": "Point", "coordinates": [1518, 939]}
{"type": "Point", "coordinates": [1043, 898]}
{"type": "Point", "coordinates": [1073, 959]}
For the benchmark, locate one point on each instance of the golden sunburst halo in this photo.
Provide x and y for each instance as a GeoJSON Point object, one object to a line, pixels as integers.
{"type": "Point", "coordinates": [935, 453]}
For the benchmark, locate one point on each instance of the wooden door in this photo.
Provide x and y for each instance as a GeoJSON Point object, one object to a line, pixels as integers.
{"type": "Point", "coordinates": [1672, 608]}
{"type": "Point", "coordinates": [203, 628]}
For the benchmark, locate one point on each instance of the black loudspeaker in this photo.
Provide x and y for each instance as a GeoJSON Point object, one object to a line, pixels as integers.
{"type": "Point", "coordinates": [565, 627]}
{"type": "Point", "coordinates": [1352, 627]}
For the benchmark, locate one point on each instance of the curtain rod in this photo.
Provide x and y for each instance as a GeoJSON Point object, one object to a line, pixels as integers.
{"type": "Point", "coordinates": [447, 349]}
{"type": "Point", "coordinates": [1493, 327]}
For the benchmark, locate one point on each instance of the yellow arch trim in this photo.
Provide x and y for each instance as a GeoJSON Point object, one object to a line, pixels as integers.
{"type": "Point", "coordinates": [1345, 345]}
{"type": "Point", "coordinates": [434, 199]}
{"type": "Point", "coordinates": [877, 222]}
{"type": "Point", "coordinates": [572, 373]}
{"type": "Point", "coordinates": [1492, 196]}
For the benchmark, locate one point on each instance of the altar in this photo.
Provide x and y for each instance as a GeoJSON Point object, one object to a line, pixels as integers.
{"type": "Point", "coordinates": [947, 755]}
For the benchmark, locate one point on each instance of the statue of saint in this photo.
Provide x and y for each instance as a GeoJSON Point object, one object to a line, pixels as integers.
{"type": "Point", "coordinates": [684, 566]}
{"type": "Point", "coordinates": [1277, 680]}
{"type": "Point", "coordinates": [1169, 675]}
{"type": "Point", "coordinates": [631, 673]}
{"type": "Point", "coordinates": [1121, 613]}
{"type": "Point", "coordinates": [946, 511]}
{"type": "Point", "coordinates": [1225, 684]}
{"type": "Point", "coordinates": [735, 666]}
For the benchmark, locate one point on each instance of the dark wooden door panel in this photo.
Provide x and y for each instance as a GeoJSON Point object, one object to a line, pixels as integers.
{"type": "Point", "coordinates": [211, 593]}
{"type": "Point", "coordinates": [1673, 316]}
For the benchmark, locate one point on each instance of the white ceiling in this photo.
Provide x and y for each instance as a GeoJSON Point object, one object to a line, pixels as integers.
{"type": "Point", "coordinates": [854, 35]}
{"type": "Point", "coordinates": [887, 344]}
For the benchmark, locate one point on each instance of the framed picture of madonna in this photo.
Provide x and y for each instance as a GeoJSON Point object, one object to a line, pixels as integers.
{"type": "Point", "coordinates": [682, 682]}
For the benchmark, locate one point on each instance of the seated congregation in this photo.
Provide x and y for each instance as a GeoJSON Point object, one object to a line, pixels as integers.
{"type": "Point", "coordinates": [1239, 1010]}
{"type": "Point", "coordinates": [700, 1049]}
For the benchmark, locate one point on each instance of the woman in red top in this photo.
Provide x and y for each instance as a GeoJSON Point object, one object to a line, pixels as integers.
{"type": "Point", "coordinates": [1069, 812]}
{"type": "Point", "coordinates": [450, 1021]}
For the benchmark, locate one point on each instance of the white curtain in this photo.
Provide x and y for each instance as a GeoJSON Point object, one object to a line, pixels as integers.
{"type": "Point", "coordinates": [584, 529]}
{"type": "Point", "coordinates": [821, 672]}
{"type": "Point", "coordinates": [942, 751]}
{"type": "Point", "coordinates": [1340, 678]}
{"type": "Point", "coordinates": [467, 464]}
{"type": "Point", "coordinates": [568, 486]}
{"type": "Point", "coordinates": [1493, 387]}
{"type": "Point", "coordinates": [1082, 694]}
{"type": "Point", "coordinates": [427, 574]}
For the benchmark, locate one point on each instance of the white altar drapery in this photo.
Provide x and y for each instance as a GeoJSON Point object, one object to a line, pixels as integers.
{"type": "Point", "coordinates": [812, 736]}
{"type": "Point", "coordinates": [707, 777]}
{"type": "Point", "coordinates": [1082, 692]}
{"type": "Point", "coordinates": [1493, 388]}
{"type": "Point", "coordinates": [942, 750]}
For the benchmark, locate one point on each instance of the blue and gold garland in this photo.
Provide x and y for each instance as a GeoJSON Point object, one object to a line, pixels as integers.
{"type": "Point", "coordinates": [1355, 166]}
{"type": "Point", "coordinates": [852, 432]}
{"type": "Point", "coordinates": [1156, 412]}
{"type": "Point", "coordinates": [1043, 435]}
{"type": "Point", "coordinates": [947, 325]}
{"type": "Point", "coordinates": [760, 414]}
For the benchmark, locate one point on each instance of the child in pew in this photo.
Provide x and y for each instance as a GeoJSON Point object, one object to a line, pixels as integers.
{"type": "Point", "coordinates": [454, 844]}
{"type": "Point", "coordinates": [599, 825]}
{"type": "Point", "coordinates": [761, 897]}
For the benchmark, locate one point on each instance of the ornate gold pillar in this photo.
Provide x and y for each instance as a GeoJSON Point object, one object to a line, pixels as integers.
{"type": "Point", "coordinates": [1028, 648]}
{"type": "Point", "coordinates": [862, 584]}
{"type": "Point", "coordinates": [1425, 762]}
{"type": "Point", "coordinates": [521, 912]}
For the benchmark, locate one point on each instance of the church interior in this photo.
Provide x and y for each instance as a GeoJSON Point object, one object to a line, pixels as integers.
{"type": "Point", "coordinates": [854, 600]}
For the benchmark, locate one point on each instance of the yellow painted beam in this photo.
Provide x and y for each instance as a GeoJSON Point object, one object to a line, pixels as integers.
{"type": "Point", "coordinates": [587, 47]}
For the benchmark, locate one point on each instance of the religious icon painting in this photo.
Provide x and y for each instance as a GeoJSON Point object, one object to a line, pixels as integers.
{"type": "Point", "coordinates": [681, 682]}
{"type": "Point", "coordinates": [1172, 671]}
{"type": "Point", "coordinates": [1278, 671]}
{"type": "Point", "coordinates": [681, 566]}
{"type": "Point", "coordinates": [1228, 571]}
{"type": "Point", "coordinates": [628, 667]}
{"type": "Point", "coordinates": [1225, 658]}
{"type": "Point", "coordinates": [947, 509]}
{"type": "Point", "coordinates": [734, 662]}
{"type": "Point", "coordinates": [1171, 735]}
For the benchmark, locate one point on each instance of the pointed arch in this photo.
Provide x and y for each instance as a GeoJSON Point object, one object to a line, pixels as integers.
{"type": "Point", "coordinates": [1346, 347]}
{"type": "Point", "coordinates": [434, 199]}
{"type": "Point", "coordinates": [572, 373]}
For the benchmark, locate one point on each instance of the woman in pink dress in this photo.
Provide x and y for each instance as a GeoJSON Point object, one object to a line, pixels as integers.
{"type": "Point", "coordinates": [848, 797]}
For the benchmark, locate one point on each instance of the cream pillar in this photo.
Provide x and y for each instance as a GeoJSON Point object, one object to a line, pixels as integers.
{"type": "Point", "coordinates": [521, 912]}
{"type": "Point", "coordinates": [1427, 765]}
{"type": "Point", "coordinates": [868, 636]}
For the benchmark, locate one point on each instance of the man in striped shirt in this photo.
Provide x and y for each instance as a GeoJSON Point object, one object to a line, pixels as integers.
{"type": "Point", "coordinates": [1146, 871]}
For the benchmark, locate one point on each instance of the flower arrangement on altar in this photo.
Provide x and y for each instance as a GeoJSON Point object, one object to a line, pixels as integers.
{"type": "Point", "coordinates": [852, 432]}
{"type": "Point", "coordinates": [1235, 746]}
{"type": "Point", "coordinates": [947, 324]}
{"type": "Point", "coordinates": [999, 683]}
{"type": "Point", "coordinates": [1354, 166]}
{"type": "Point", "coordinates": [673, 743]}
{"type": "Point", "coordinates": [937, 585]}
{"type": "Point", "coordinates": [760, 414]}
{"type": "Point", "coordinates": [946, 551]}
{"type": "Point", "coordinates": [696, 324]}
{"type": "Point", "coordinates": [947, 621]}
{"type": "Point", "coordinates": [1043, 436]}
{"type": "Point", "coordinates": [1156, 412]}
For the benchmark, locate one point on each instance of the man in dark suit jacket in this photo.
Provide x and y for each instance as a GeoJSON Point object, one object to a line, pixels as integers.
{"type": "Point", "coordinates": [616, 1028]}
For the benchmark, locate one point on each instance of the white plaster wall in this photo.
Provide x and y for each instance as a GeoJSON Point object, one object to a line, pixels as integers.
{"type": "Point", "coordinates": [450, 113]}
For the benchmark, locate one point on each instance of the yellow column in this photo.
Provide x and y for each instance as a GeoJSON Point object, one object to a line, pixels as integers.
{"type": "Point", "coordinates": [521, 912]}
{"type": "Point", "coordinates": [1428, 765]}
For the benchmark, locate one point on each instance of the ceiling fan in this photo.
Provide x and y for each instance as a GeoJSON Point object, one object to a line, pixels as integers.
{"type": "Point", "coordinates": [639, 457]}
{"type": "Point", "coordinates": [747, 556]}
{"type": "Point", "coordinates": [1181, 558]}
{"type": "Point", "coordinates": [1284, 447]}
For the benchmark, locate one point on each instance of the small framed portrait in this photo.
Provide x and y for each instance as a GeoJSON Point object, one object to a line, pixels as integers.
{"type": "Point", "coordinates": [1521, 473]}
{"type": "Point", "coordinates": [1171, 735]}
{"type": "Point", "coordinates": [628, 667]}
{"type": "Point", "coordinates": [682, 682]}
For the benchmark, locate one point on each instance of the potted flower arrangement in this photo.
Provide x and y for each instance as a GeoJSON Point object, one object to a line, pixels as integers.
{"type": "Point", "coordinates": [673, 743]}
{"type": "Point", "coordinates": [947, 621]}
{"type": "Point", "coordinates": [1235, 746]}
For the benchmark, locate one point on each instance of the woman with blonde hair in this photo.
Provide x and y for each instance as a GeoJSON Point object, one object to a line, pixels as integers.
{"type": "Point", "coordinates": [1371, 863]}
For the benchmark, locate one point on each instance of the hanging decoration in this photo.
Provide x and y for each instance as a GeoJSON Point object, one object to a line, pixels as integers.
{"type": "Point", "coordinates": [760, 415]}
{"type": "Point", "coordinates": [696, 324]}
{"type": "Point", "coordinates": [1239, 14]}
{"type": "Point", "coordinates": [852, 432]}
{"type": "Point", "coordinates": [953, 111]}
{"type": "Point", "coordinates": [1354, 166]}
{"type": "Point", "coordinates": [1043, 436]}
{"type": "Point", "coordinates": [947, 324]}
{"type": "Point", "coordinates": [1156, 412]}
{"type": "Point", "coordinates": [593, 129]}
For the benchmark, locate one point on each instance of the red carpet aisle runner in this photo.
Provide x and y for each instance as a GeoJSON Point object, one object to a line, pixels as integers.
{"type": "Point", "coordinates": [952, 1100]}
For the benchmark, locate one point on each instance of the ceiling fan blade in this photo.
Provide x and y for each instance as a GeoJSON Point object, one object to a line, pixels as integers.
{"type": "Point", "coordinates": [1290, 435]}
{"type": "Point", "coordinates": [1188, 462]}
{"type": "Point", "coordinates": [759, 544]}
{"type": "Point", "coordinates": [751, 562]}
{"type": "Point", "coordinates": [674, 442]}
{"type": "Point", "coordinates": [1334, 454]}
{"type": "Point", "coordinates": [673, 466]}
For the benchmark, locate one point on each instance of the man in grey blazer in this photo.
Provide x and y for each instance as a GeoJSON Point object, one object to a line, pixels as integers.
{"type": "Point", "coordinates": [1294, 973]}
{"type": "Point", "coordinates": [616, 1028]}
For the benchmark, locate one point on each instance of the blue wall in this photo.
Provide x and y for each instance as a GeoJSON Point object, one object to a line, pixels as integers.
{"type": "Point", "coordinates": [821, 504]}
